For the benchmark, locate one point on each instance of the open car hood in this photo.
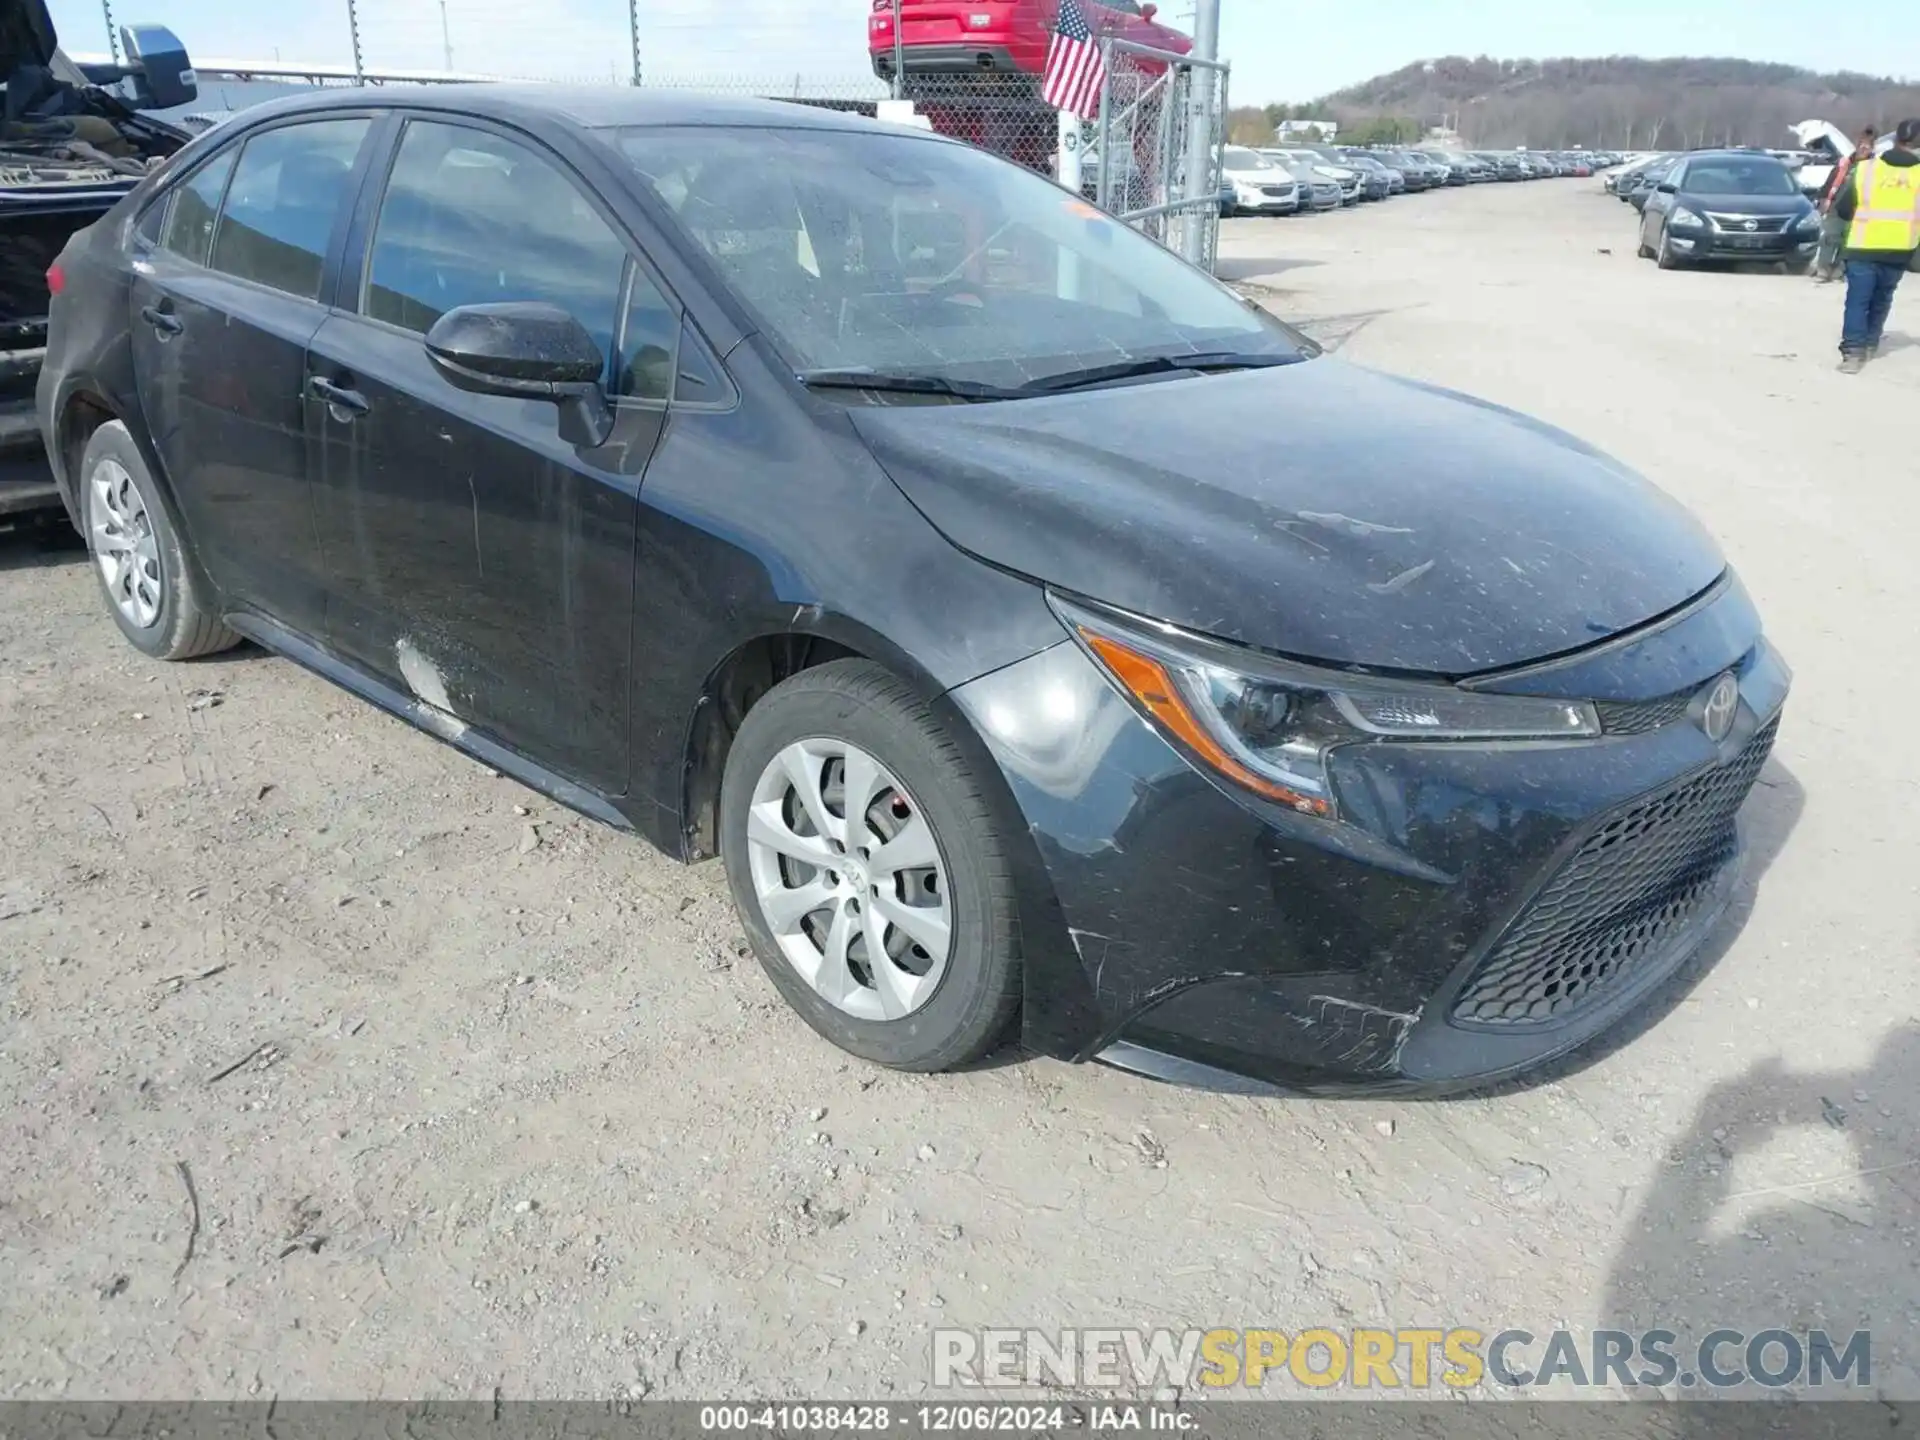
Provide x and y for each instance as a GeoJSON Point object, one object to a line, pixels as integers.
{"type": "Point", "coordinates": [1364, 520]}
{"type": "Point", "coordinates": [27, 36]}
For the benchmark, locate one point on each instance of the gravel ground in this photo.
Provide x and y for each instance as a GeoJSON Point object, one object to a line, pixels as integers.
{"type": "Point", "coordinates": [477, 1098]}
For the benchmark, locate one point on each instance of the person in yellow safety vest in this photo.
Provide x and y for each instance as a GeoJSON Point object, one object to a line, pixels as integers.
{"type": "Point", "coordinates": [1881, 206]}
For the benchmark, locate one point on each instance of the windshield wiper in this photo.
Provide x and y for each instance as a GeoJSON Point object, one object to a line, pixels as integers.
{"type": "Point", "coordinates": [907, 384]}
{"type": "Point", "coordinates": [1161, 365]}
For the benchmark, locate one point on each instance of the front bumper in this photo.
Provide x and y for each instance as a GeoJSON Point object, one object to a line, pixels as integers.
{"type": "Point", "coordinates": [1454, 928]}
{"type": "Point", "coordinates": [1736, 245]}
{"type": "Point", "coordinates": [1252, 203]}
{"type": "Point", "coordinates": [26, 484]}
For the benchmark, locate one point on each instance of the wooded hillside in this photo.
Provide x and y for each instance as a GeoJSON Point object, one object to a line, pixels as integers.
{"type": "Point", "coordinates": [1621, 101]}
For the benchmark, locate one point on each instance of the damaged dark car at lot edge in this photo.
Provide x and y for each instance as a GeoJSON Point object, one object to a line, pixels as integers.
{"type": "Point", "coordinates": [71, 145]}
{"type": "Point", "coordinates": [872, 513]}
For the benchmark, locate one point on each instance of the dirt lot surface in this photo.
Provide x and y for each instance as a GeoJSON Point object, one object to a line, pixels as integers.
{"type": "Point", "coordinates": [476, 1097]}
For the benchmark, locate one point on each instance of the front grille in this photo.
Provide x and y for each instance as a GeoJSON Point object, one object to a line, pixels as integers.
{"type": "Point", "coordinates": [1737, 224]}
{"type": "Point", "coordinates": [1642, 717]}
{"type": "Point", "coordinates": [1634, 883]}
{"type": "Point", "coordinates": [1276, 192]}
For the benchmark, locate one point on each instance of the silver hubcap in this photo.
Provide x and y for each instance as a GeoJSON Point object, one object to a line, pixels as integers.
{"type": "Point", "coordinates": [849, 879]}
{"type": "Point", "coordinates": [123, 543]}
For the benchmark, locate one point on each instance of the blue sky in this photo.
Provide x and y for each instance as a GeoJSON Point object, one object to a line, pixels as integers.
{"type": "Point", "coordinates": [1280, 50]}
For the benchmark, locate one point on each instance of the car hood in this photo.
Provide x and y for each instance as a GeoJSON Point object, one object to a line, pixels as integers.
{"type": "Point", "coordinates": [1793, 204]}
{"type": "Point", "coordinates": [27, 36]}
{"type": "Point", "coordinates": [1380, 522]}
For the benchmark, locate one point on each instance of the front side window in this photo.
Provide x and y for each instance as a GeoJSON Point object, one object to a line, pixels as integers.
{"type": "Point", "coordinates": [287, 191]}
{"type": "Point", "coordinates": [647, 343]}
{"type": "Point", "coordinates": [867, 250]}
{"type": "Point", "coordinates": [195, 205]}
{"type": "Point", "coordinates": [473, 218]}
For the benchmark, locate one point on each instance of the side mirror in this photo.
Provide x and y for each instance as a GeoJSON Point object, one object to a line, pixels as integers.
{"type": "Point", "coordinates": [163, 77]}
{"type": "Point", "coordinates": [530, 350]}
{"type": "Point", "coordinates": [1667, 187]}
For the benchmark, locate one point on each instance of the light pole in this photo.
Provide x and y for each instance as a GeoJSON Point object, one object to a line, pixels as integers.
{"type": "Point", "coordinates": [446, 39]}
{"type": "Point", "coordinates": [113, 33]}
{"type": "Point", "coordinates": [1202, 89]}
{"type": "Point", "coordinates": [899, 55]}
{"type": "Point", "coordinates": [353, 30]}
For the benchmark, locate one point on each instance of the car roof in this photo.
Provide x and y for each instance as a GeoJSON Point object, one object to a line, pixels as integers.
{"type": "Point", "coordinates": [1724, 154]}
{"type": "Point", "coordinates": [593, 107]}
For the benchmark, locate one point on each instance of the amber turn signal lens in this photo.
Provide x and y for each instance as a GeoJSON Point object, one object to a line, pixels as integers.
{"type": "Point", "coordinates": [1146, 679]}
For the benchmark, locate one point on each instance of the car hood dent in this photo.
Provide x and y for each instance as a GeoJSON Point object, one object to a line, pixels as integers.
{"type": "Point", "coordinates": [1455, 537]}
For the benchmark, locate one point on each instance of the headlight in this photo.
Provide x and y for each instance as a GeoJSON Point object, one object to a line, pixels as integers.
{"type": "Point", "coordinates": [1268, 725]}
{"type": "Point", "coordinates": [1809, 221]}
{"type": "Point", "coordinates": [1685, 219]}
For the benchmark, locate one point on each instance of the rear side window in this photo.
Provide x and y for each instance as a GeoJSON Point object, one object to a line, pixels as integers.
{"type": "Point", "coordinates": [287, 191]}
{"type": "Point", "coordinates": [472, 218]}
{"type": "Point", "coordinates": [190, 217]}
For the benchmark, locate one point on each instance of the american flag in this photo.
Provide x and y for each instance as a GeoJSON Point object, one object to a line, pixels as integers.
{"type": "Point", "coordinates": [1076, 72]}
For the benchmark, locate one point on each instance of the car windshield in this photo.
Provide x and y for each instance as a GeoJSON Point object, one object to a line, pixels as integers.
{"type": "Point", "coordinates": [1739, 177]}
{"type": "Point", "coordinates": [870, 251]}
{"type": "Point", "coordinates": [1238, 160]}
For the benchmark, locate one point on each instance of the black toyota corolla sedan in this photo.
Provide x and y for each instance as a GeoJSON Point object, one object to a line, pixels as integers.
{"type": "Point", "coordinates": [877, 516]}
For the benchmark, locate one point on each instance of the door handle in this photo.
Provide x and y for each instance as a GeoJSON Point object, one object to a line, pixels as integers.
{"type": "Point", "coordinates": [165, 321]}
{"type": "Point", "coordinates": [338, 395]}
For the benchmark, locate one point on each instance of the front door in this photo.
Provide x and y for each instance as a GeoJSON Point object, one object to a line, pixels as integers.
{"type": "Point", "coordinates": [485, 565]}
{"type": "Point", "coordinates": [224, 306]}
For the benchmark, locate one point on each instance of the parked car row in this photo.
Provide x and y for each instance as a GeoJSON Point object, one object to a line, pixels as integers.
{"type": "Point", "coordinates": [1294, 179]}
{"type": "Point", "coordinates": [1704, 205]}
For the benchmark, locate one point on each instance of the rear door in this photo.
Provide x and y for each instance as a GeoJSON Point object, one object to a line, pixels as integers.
{"type": "Point", "coordinates": [223, 307]}
{"type": "Point", "coordinates": [485, 564]}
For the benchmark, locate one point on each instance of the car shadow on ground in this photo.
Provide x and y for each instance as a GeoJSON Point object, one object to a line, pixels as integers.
{"type": "Point", "coordinates": [35, 542]}
{"type": "Point", "coordinates": [1230, 269]}
{"type": "Point", "coordinates": [1790, 1203]}
{"type": "Point", "coordinates": [48, 542]}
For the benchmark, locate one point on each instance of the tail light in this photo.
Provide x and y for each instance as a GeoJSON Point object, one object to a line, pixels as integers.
{"type": "Point", "coordinates": [56, 278]}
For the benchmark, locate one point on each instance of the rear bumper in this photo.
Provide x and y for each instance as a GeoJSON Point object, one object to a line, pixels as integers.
{"type": "Point", "coordinates": [987, 57]}
{"type": "Point", "coordinates": [1479, 909]}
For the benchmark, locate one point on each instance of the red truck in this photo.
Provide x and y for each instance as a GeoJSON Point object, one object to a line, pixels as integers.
{"type": "Point", "coordinates": [1005, 37]}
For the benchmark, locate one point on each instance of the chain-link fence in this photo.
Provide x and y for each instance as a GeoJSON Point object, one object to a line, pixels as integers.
{"type": "Point", "coordinates": [1153, 158]}
{"type": "Point", "coordinates": [1156, 152]}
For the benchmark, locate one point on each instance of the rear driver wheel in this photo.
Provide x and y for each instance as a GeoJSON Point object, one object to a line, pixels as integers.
{"type": "Point", "coordinates": [151, 591]}
{"type": "Point", "coordinates": [869, 871]}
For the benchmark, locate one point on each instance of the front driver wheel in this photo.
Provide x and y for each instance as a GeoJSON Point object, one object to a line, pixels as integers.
{"type": "Point", "coordinates": [868, 869]}
{"type": "Point", "coordinates": [151, 591]}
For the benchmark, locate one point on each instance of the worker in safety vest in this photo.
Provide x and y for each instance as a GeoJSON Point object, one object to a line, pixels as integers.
{"type": "Point", "coordinates": [1882, 209]}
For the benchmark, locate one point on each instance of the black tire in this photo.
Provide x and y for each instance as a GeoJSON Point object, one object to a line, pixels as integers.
{"type": "Point", "coordinates": [185, 624]}
{"type": "Point", "coordinates": [862, 704]}
{"type": "Point", "coordinates": [1798, 267]}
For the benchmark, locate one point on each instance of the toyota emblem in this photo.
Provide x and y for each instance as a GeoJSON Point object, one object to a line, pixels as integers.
{"type": "Point", "coordinates": [1751, 225]}
{"type": "Point", "coordinates": [1722, 703]}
